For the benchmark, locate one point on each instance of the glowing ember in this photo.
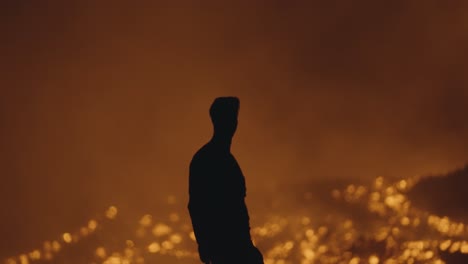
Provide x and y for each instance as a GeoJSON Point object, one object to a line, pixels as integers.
{"type": "Point", "coordinates": [382, 228]}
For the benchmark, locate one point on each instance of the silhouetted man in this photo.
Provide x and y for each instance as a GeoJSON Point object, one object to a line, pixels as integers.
{"type": "Point", "coordinates": [217, 191]}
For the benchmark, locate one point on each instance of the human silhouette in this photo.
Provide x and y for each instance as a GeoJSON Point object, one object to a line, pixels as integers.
{"type": "Point", "coordinates": [217, 192]}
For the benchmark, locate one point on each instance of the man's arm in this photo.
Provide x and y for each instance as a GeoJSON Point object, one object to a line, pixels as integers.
{"type": "Point", "coordinates": [201, 207]}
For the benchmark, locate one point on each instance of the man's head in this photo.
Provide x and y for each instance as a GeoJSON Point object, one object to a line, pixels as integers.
{"type": "Point", "coordinates": [223, 113]}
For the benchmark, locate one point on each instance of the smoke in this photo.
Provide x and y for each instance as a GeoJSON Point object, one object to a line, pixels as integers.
{"type": "Point", "coordinates": [106, 103]}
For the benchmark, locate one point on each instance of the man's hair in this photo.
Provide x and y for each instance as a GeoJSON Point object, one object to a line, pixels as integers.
{"type": "Point", "coordinates": [224, 108]}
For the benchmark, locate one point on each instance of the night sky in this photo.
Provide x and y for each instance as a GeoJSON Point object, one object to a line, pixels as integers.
{"type": "Point", "coordinates": [105, 102]}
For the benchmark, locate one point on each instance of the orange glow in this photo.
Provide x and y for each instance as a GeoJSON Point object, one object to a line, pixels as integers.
{"type": "Point", "coordinates": [309, 242]}
{"type": "Point", "coordinates": [67, 238]}
{"type": "Point", "coordinates": [345, 107]}
{"type": "Point", "coordinates": [111, 213]}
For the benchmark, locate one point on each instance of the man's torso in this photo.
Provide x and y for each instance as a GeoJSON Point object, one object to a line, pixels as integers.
{"type": "Point", "coordinates": [218, 173]}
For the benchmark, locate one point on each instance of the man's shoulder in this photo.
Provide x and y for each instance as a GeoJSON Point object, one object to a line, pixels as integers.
{"type": "Point", "coordinates": [205, 154]}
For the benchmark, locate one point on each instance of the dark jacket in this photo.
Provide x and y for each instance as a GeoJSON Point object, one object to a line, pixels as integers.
{"type": "Point", "coordinates": [217, 200]}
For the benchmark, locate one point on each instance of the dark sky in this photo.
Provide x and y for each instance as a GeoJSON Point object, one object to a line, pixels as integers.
{"type": "Point", "coordinates": [104, 102]}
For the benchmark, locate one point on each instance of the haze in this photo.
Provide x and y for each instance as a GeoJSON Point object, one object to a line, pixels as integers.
{"type": "Point", "coordinates": [105, 102]}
